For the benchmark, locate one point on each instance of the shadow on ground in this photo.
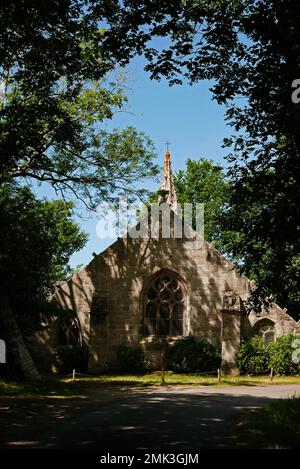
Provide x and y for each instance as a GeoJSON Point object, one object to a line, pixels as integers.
{"type": "Point", "coordinates": [126, 419]}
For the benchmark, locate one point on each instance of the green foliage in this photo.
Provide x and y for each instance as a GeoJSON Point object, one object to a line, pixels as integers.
{"type": "Point", "coordinates": [251, 52]}
{"type": "Point", "coordinates": [252, 357]}
{"type": "Point", "coordinates": [55, 95]}
{"type": "Point", "coordinates": [191, 355]}
{"type": "Point", "coordinates": [204, 182]}
{"type": "Point", "coordinates": [276, 426]}
{"type": "Point", "coordinates": [53, 66]}
{"type": "Point", "coordinates": [269, 256]}
{"type": "Point", "coordinates": [70, 271]}
{"type": "Point", "coordinates": [281, 351]}
{"type": "Point", "coordinates": [54, 57]}
{"type": "Point", "coordinates": [57, 88]}
{"type": "Point", "coordinates": [37, 238]}
{"type": "Point", "coordinates": [131, 359]}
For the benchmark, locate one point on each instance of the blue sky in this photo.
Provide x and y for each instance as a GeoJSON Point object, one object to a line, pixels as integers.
{"type": "Point", "coordinates": [185, 115]}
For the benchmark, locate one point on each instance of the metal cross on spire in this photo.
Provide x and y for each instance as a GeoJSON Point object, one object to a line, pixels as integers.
{"type": "Point", "coordinates": [168, 143]}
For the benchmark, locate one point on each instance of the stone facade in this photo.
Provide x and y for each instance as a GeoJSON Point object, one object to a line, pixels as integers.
{"type": "Point", "coordinates": [108, 298]}
{"type": "Point", "coordinates": [116, 281]}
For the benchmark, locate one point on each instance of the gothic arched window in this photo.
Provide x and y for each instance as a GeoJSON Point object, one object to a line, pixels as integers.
{"type": "Point", "coordinates": [265, 328]}
{"type": "Point", "coordinates": [164, 306]}
{"type": "Point", "coordinates": [69, 332]}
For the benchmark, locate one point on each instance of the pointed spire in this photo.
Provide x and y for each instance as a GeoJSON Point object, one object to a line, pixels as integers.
{"type": "Point", "coordinates": [168, 194]}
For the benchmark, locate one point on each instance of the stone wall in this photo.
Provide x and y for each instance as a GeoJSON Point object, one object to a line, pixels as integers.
{"type": "Point", "coordinates": [107, 296]}
{"type": "Point", "coordinates": [283, 323]}
{"type": "Point", "coordinates": [118, 277]}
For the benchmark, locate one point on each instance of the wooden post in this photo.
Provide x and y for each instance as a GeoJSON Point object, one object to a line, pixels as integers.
{"type": "Point", "coordinates": [73, 375]}
{"type": "Point", "coordinates": [219, 375]}
{"type": "Point", "coordinates": [271, 374]}
{"type": "Point", "coordinates": [162, 363]}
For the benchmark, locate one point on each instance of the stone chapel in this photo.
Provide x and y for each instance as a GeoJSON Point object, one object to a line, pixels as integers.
{"type": "Point", "coordinates": [152, 291]}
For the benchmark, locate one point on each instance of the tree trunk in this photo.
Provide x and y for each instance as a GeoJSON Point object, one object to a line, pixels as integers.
{"type": "Point", "coordinates": [16, 346]}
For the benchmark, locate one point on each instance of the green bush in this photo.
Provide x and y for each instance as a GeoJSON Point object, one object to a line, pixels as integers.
{"type": "Point", "coordinates": [131, 359]}
{"type": "Point", "coordinates": [252, 357]}
{"type": "Point", "coordinates": [281, 356]}
{"type": "Point", "coordinates": [191, 355]}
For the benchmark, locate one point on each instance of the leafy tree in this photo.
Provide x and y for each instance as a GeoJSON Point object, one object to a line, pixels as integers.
{"type": "Point", "coordinates": [56, 90]}
{"type": "Point", "coordinates": [90, 167]}
{"type": "Point", "coordinates": [54, 56]}
{"type": "Point", "coordinates": [43, 60]}
{"type": "Point", "coordinates": [70, 271]}
{"type": "Point", "coordinates": [37, 238]}
{"type": "Point", "coordinates": [204, 182]}
{"type": "Point", "coordinates": [281, 352]}
{"type": "Point", "coordinates": [251, 51]}
{"type": "Point", "coordinates": [54, 98]}
{"type": "Point", "coordinates": [253, 357]}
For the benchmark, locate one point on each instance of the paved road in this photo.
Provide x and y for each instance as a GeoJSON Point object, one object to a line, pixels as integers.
{"type": "Point", "coordinates": [183, 418]}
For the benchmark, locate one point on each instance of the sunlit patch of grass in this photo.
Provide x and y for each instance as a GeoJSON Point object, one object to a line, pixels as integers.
{"type": "Point", "coordinates": [169, 378]}
{"type": "Point", "coordinates": [68, 396]}
{"type": "Point", "coordinates": [49, 386]}
{"type": "Point", "coordinates": [64, 387]}
{"type": "Point", "coordinates": [9, 387]}
{"type": "Point", "coordinates": [258, 380]}
{"type": "Point", "coordinates": [277, 426]}
{"type": "Point", "coordinates": [150, 379]}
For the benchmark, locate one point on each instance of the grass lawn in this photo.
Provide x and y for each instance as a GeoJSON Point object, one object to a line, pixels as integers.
{"type": "Point", "coordinates": [277, 426]}
{"type": "Point", "coordinates": [64, 387]}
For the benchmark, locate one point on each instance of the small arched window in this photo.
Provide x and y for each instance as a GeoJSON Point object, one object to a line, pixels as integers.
{"type": "Point", "coordinates": [69, 332]}
{"type": "Point", "coordinates": [265, 329]}
{"type": "Point", "coordinates": [164, 304]}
